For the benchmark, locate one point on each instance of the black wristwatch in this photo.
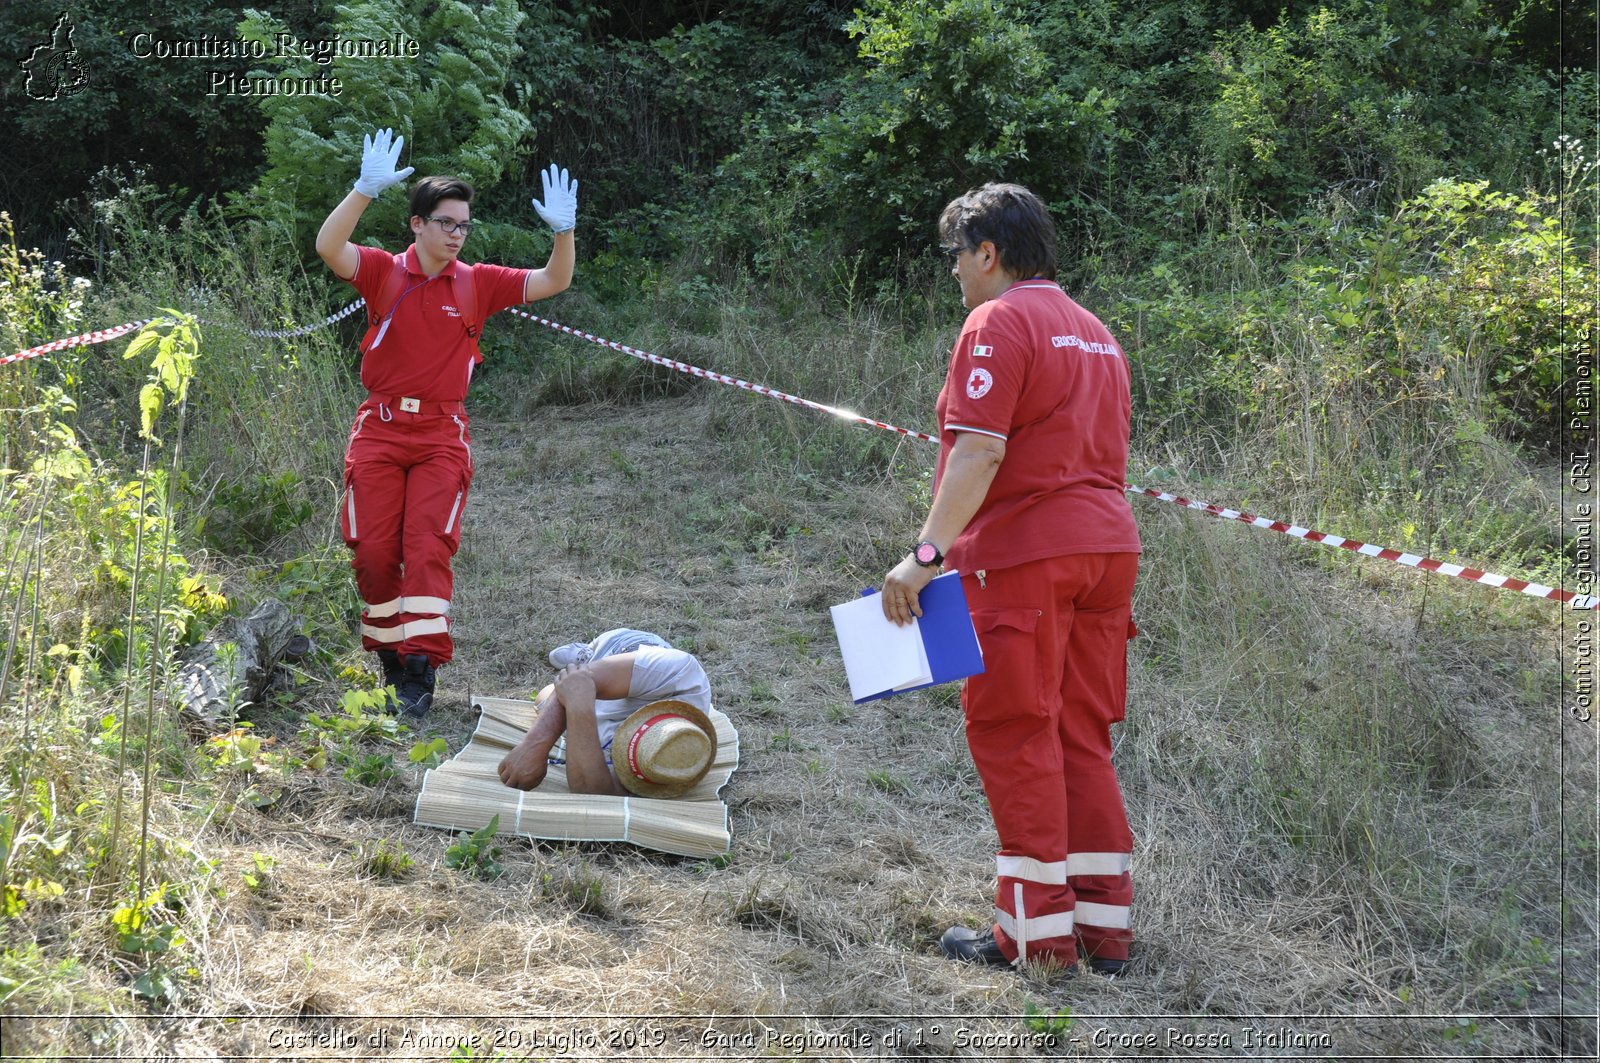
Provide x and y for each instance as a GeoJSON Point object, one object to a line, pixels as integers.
{"type": "Point", "coordinates": [926, 554]}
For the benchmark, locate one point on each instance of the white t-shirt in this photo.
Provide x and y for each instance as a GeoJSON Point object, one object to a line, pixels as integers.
{"type": "Point", "coordinates": [658, 673]}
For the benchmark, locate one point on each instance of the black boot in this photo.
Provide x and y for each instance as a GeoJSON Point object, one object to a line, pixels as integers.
{"type": "Point", "coordinates": [392, 668]}
{"type": "Point", "coordinates": [416, 685]}
{"type": "Point", "coordinates": [969, 946]}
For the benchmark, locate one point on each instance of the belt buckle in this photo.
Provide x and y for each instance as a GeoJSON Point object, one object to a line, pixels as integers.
{"type": "Point", "coordinates": [410, 405]}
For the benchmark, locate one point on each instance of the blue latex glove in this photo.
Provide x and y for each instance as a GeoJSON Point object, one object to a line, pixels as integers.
{"type": "Point", "coordinates": [560, 206]}
{"type": "Point", "coordinates": [378, 159]}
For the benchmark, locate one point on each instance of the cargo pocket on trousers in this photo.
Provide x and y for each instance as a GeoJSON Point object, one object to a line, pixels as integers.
{"type": "Point", "coordinates": [1009, 685]}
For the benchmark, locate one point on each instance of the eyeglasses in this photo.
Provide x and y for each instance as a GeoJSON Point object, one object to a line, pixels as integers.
{"type": "Point", "coordinates": [451, 226]}
{"type": "Point", "coordinates": [952, 253]}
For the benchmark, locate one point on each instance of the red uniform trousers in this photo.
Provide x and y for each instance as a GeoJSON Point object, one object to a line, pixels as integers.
{"type": "Point", "coordinates": [1055, 636]}
{"type": "Point", "coordinates": [406, 476]}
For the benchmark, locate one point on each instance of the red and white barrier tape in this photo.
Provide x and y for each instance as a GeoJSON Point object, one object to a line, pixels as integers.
{"type": "Point", "coordinates": [693, 370]}
{"type": "Point", "coordinates": [88, 339]}
{"type": "Point", "coordinates": [85, 340]}
{"type": "Point", "coordinates": [284, 334]}
{"type": "Point", "coordinates": [1427, 564]}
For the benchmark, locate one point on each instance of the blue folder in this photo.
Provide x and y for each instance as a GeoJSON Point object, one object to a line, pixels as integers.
{"type": "Point", "coordinates": [948, 636]}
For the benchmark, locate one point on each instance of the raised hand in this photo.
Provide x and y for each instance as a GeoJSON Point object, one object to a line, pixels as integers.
{"type": "Point", "coordinates": [560, 206]}
{"type": "Point", "coordinates": [378, 159]}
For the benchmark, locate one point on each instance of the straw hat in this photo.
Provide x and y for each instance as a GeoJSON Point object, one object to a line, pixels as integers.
{"type": "Point", "coordinates": [664, 749]}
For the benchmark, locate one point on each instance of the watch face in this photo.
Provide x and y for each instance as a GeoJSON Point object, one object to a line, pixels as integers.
{"type": "Point", "coordinates": [926, 552]}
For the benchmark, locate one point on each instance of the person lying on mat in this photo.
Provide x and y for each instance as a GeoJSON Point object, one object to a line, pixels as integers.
{"type": "Point", "coordinates": [629, 712]}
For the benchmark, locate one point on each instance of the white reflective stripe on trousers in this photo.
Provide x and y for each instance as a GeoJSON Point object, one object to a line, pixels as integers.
{"type": "Point", "coordinates": [435, 625]}
{"type": "Point", "coordinates": [1021, 935]}
{"type": "Point", "coordinates": [1098, 863]}
{"type": "Point", "coordinates": [383, 609]}
{"type": "Point", "coordinates": [1039, 928]}
{"type": "Point", "coordinates": [416, 603]}
{"type": "Point", "coordinates": [1031, 870]}
{"type": "Point", "coordinates": [1110, 916]}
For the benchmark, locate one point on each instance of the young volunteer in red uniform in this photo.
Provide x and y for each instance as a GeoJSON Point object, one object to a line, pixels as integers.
{"type": "Point", "coordinates": [1029, 506]}
{"type": "Point", "coordinates": [409, 462]}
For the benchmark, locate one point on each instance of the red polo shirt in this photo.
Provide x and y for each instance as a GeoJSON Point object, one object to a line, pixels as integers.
{"type": "Point", "coordinates": [425, 351]}
{"type": "Point", "coordinates": [1037, 370]}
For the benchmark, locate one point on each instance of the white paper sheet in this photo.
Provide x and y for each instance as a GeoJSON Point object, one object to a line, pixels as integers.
{"type": "Point", "coordinates": [878, 654]}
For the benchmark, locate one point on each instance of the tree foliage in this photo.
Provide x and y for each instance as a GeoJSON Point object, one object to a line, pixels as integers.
{"type": "Point", "coordinates": [693, 123]}
{"type": "Point", "coordinates": [1362, 95]}
{"type": "Point", "coordinates": [448, 103]}
{"type": "Point", "coordinates": [951, 93]}
{"type": "Point", "coordinates": [151, 112]}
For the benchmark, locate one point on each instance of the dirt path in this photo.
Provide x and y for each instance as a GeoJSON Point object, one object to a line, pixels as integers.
{"type": "Point", "coordinates": [859, 834]}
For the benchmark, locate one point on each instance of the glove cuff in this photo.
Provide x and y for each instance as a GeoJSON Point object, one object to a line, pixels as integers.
{"type": "Point", "coordinates": [367, 189]}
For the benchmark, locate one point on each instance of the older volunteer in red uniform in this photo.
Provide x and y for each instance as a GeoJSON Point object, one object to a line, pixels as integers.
{"type": "Point", "coordinates": [409, 461]}
{"type": "Point", "coordinates": [1029, 507]}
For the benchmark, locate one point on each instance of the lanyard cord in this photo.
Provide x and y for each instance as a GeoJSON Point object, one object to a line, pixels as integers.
{"type": "Point", "coordinates": [383, 326]}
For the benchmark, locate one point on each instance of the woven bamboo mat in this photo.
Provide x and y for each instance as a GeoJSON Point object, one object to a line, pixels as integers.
{"type": "Point", "coordinates": [465, 793]}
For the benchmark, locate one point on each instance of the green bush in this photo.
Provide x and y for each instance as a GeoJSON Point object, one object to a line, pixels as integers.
{"type": "Point", "coordinates": [953, 93]}
{"type": "Point", "coordinates": [1504, 292]}
{"type": "Point", "coordinates": [1473, 295]}
{"type": "Point", "coordinates": [1363, 96]}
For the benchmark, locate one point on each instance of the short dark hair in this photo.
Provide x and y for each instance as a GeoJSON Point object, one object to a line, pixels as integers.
{"type": "Point", "coordinates": [428, 191]}
{"type": "Point", "coordinates": [1013, 219]}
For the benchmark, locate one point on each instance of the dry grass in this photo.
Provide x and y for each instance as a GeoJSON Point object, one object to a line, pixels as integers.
{"type": "Point", "coordinates": [1346, 807]}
